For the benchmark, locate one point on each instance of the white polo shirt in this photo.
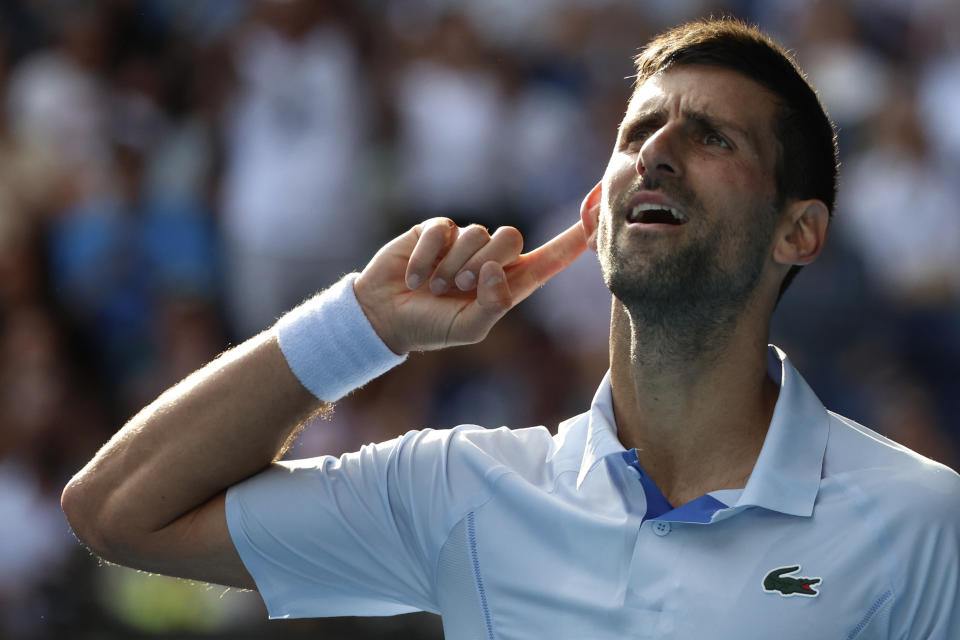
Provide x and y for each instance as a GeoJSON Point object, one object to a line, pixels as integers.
{"type": "Point", "coordinates": [840, 533]}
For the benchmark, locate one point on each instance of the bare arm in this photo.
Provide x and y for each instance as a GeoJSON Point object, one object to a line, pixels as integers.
{"type": "Point", "coordinates": [156, 488]}
{"type": "Point", "coordinates": [153, 497]}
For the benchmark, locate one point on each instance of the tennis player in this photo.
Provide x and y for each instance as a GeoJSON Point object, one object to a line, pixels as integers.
{"type": "Point", "coordinates": [706, 491]}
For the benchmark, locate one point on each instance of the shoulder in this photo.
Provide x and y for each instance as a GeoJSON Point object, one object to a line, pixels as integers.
{"type": "Point", "coordinates": [505, 444]}
{"type": "Point", "coordinates": [465, 447]}
{"type": "Point", "coordinates": [533, 452]}
{"type": "Point", "coordinates": [528, 452]}
{"type": "Point", "coordinates": [465, 456]}
{"type": "Point", "coordinates": [890, 476]}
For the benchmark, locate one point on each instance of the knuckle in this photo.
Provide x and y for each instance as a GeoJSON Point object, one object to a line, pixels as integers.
{"type": "Point", "coordinates": [510, 236]}
{"type": "Point", "coordinates": [437, 227]}
{"type": "Point", "coordinates": [472, 239]}
{"type": "Point", "coordinates": [476, 231]}
{"type": "Point", "coordinates": [433, 227]}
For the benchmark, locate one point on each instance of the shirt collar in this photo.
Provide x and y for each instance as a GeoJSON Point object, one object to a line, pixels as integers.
{"type": "Point", "coordinates": [601, 430]}
{"type": "Point", "coordinates": [786, 476]}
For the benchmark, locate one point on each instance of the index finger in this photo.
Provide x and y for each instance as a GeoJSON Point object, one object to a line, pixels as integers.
{"type": "Point", "coordinates": [532, 270]}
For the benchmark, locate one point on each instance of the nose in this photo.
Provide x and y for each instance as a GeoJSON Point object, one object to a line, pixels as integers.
{"type": "Point", "coordinates": [660, 152]}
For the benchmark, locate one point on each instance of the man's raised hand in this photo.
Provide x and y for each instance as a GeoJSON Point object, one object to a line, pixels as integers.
{"type": "Point", "coordinates": [439, 285]}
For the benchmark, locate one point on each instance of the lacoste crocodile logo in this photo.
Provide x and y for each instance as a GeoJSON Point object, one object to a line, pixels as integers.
{"type": "Point", "coordinates": [778, 581]}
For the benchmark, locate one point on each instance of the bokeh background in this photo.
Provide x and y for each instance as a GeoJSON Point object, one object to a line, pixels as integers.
{"type": "Point", "coordinates": [174, 174]}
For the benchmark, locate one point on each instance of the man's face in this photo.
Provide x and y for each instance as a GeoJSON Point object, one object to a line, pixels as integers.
{"type": "Point", "coordinates": [687, 216]}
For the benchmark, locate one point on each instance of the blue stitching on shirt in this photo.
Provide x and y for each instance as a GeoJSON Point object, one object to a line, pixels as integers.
{"type": "Point", "coordinates": [870, 613]}
{"type": "Point", "coordinates": [472, 538]}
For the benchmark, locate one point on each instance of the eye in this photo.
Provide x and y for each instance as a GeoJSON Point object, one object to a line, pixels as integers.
{"type": "Point", "coordinates": [634, 136]}
{"type": "Point", "coordinates": [716, 140]}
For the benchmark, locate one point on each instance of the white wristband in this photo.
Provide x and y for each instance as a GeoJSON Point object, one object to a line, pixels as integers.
{"type": "Point", "coordinates": [331, 346]}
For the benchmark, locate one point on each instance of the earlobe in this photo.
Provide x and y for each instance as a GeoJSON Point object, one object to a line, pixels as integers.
{"type": "Point", "coordinates": [590, 214]}
{"type": "Point", "coordinates": [801, 240]}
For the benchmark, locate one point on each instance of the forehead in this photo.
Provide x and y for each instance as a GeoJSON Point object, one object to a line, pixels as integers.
{"type": "Point", "coordinates": [723, 94]}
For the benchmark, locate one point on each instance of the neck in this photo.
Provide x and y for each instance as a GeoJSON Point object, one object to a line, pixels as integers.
{"type": "Point", "coordinates": [695, 403]}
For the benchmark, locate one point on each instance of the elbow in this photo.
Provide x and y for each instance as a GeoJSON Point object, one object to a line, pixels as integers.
{"type": "Point", "coordinates": [85, 516]}
{"type": "Point", "coordinates": [76, 507]}
{"type": "Point", "coordinates": [99, 521]}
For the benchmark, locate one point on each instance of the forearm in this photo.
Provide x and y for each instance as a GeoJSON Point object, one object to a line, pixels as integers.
{"type": "Point", "coordinates": [220, 425]}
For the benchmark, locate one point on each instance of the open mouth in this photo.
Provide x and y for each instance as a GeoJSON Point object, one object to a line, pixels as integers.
{"type": "Point", "coordinates": [650, 213]}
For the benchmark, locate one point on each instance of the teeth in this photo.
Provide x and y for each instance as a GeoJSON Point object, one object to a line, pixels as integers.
{"type": "Point", "coordinates": [637, 210]}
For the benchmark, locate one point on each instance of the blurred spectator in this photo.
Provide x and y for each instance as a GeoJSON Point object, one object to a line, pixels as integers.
{"type": "Point", "coordinates": [116, 256]}
{"type": "Point", "coordinates": [39, 395]}
{"type": "Point", "coordinates": [450, 104]}
{"type": "Point", "coordinates": [294, 213]}
{"type": "Point", "coordinates": [57, 101]}
{"type": "Point", "coordinates": [899, 209]}
{"type": "Point", "coordinates": [938, 31]}
{"type": "Point", "coordinates": [851, 78]}
{"type": "Point", "coordinates": [552, 145]}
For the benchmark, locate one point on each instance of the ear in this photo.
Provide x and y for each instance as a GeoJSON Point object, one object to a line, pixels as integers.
{"type": "Point", "coordinates": [802, 232]}
{"type": "Point", "coordinates": [590, 214]}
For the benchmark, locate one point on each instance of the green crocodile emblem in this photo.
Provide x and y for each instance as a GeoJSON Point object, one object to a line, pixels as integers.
{"type": "Point", "coordinates": [778, 581]}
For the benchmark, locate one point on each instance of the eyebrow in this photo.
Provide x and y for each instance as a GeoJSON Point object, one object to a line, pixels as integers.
{"type": "Point", "coordinates": [708, 121]}
{"type": "Point", "coordinates": [700, 118]}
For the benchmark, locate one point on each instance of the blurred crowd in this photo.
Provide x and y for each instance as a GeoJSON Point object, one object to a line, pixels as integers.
{"type": "Point", "coordinates": [174, 174]}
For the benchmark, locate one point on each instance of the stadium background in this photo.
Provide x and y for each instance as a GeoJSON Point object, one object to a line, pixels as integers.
{"type": "Point", "coordinates": [175, 174]}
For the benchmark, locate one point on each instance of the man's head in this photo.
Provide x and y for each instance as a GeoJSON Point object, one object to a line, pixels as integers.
{"type": "Point", "coordinates": [723, 128]}
{"type": "Point", "coordinates": [806, 166]}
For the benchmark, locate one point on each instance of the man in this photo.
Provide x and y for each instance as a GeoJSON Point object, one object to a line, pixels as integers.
{"type": "Point", "coordinates": [706, 491]}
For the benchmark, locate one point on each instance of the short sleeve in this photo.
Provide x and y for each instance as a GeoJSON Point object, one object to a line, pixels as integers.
{"type": "Point", "coordinates": [354, 535]}
{"type": "Point", "coordinates": [927, 602]}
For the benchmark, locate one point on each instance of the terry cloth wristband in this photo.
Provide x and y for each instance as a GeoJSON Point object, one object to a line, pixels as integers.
{"type": "Point", "coordinates": [331, 346]}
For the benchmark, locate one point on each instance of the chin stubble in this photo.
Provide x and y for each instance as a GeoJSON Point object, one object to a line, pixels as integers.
{"type": "Point", "coordinates": [684, 305]}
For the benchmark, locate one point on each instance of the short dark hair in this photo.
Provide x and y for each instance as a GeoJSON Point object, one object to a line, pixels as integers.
{"type": "Point", "coordinates": [806, 166]}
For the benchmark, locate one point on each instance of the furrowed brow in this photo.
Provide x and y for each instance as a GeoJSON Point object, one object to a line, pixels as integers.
{"type": "Point", "coordinates": [712, 123]}
{"type": "Point", "coordinates": [639, 120]}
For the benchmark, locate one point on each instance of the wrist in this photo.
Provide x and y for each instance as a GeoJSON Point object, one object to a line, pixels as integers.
{"type": "Point", "coordinates": [330, 344]}
{"type": "Point", "coordinates": [367, 298]}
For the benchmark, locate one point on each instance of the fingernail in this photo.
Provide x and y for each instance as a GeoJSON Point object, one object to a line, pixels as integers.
{"type": "Point", "coordinates": [465, 280]}
{"type": "Point", "coordinates": [438, 285]}
{"type": "Point", "coordinates": [494, 280]}
{"type": "Point", "coordinates": [413, 281]}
